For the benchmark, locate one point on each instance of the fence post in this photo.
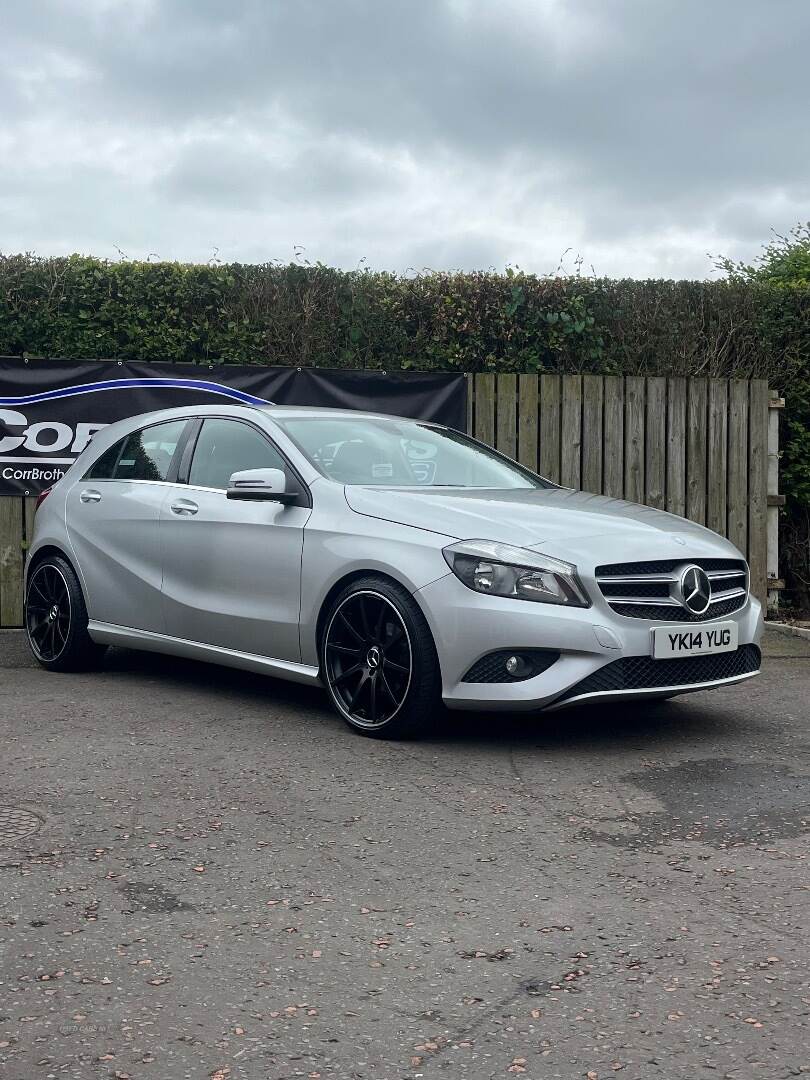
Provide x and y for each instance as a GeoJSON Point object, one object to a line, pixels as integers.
{"type": "Point", "coordinates": [527, 420]}
{"type": "Point", "coordinates": [758, 488]}
{"type": "Point", "coordinates": [775, 501]}
{"type": "Point", "coordinates": [11, 561]}
{"type": "Point", "coordinates": [485, 408]}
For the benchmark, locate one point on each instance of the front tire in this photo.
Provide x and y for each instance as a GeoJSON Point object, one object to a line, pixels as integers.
{"type": "Point", "coordinates": [379, 662]}
{"type": "Point", "coordinates": [56, 618]}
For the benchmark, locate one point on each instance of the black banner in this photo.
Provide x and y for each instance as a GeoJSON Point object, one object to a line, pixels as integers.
{"type": "Point", "coordinates": [50, 409]}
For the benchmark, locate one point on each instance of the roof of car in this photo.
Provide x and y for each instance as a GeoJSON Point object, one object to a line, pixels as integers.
{"type": "Point", "coordinates": [284, 411]}
{"type": "Point", "coordinates": [244, 409]}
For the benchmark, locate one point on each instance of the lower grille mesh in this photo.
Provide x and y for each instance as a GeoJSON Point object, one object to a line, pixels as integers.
{"type": "Point", "coordinates": [647, 673]}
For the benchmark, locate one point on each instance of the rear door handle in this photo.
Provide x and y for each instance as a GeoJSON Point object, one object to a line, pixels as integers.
{"type": "Point", "coordinates": [184, 507]}
{"type": "Point", "coordinates": [90, 495]}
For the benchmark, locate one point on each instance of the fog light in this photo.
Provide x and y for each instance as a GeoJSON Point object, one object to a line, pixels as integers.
{"type": "Point", "coordinates": [505, 666]}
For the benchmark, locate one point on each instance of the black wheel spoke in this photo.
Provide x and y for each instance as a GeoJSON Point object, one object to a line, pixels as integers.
{"type": "Point", "coordinates": [348, 650]}
{"type": "Point", "coordinates": [384, 683]}
{"type": "Point", "coordinates": [361, 603]}
{"type": "Point", "coordinates": [372, 699]}
{"type": "Point", "coordinates": [395, 667]}
{"type": "Point", "coordinates": [51, 584]}
{"type": "Point", "coordinates": [358, 693]}
{"type": "Point", "coordinates": [35, 585]}
{"type": "Point", "coordinates": [378, 630]}
{"type": "Point", "coordinates": [355, 633]}
{"type": "Point", "coordinates": [347, 674]}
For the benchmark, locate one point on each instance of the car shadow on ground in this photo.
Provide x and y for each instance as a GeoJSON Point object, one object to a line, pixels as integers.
{"type": "Point", "coordinates": [215, 679]}
{"type": "Point", "coordinates": [599, 724]}
{"type": "Point", "coordinates": [603, 723]}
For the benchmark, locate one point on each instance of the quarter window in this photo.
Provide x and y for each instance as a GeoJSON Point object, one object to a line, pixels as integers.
{"type": "Point", "coordinates": [227, 446]}
{"type": "Point", "coordinates": [144, 455]}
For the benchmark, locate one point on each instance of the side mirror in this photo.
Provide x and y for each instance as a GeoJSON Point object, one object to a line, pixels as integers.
{"type": "Point", "coordinates": [266, 484]}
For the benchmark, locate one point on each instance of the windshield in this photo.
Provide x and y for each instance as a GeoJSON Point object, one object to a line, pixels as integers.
{"type": "Point", "coordinates": [401, 453]}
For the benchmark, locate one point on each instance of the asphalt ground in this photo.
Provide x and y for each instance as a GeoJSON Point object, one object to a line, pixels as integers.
{"type": "Point", "coordinates": [225, 882]}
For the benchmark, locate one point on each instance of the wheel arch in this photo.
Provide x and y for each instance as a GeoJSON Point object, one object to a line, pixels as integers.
{"type": "Point", "coordinates": [335, 589]}
{"type": "Point", "coordinates": [343, 582]}
{"type": "Point", "coordinates": [47, 551]}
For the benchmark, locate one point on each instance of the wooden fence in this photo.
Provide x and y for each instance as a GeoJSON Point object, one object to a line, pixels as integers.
{"type": "Point", "coordinates": [695, 447]}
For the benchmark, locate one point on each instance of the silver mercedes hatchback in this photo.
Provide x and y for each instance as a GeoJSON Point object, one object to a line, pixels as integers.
{"type": "Point", "coordinates": [397, 563]}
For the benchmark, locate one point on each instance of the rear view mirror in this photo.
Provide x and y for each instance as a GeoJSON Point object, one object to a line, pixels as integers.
{"type": "Point", "coordinates": [267, 484]}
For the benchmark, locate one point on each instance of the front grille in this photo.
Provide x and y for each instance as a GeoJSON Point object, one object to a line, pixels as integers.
{"type": "Point", "coordinates": [648, 590]}
{"type": "Point", "coordinates": [647, 673]}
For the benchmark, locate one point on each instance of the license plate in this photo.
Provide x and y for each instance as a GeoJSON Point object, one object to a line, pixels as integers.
{"type": "Point", "coordinates": [671, 641]}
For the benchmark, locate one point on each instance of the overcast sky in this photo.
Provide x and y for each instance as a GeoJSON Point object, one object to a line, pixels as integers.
{"type": "Point", "coordinates": [640, 134]}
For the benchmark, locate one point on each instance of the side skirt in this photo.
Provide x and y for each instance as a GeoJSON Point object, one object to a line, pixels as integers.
{"type": "Point", "coordinates": [146, 640]}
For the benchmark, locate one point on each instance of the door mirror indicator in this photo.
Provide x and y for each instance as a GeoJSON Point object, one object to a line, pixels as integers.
{"type": "Point", "coordinates": [266, 484]}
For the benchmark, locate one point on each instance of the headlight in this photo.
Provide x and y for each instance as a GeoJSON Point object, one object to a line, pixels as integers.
{"type": "Point", "coordinates": [503, 570]}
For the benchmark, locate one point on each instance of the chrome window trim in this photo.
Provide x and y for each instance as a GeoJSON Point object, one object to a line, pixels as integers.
{"type": "Point", "coordinates": [123, 480]}
{"type": "Point", "coordinates": [159, 483]}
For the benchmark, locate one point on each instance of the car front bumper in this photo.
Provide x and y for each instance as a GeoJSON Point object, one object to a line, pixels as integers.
{"type": "Point", "coordinates": [467, 626]}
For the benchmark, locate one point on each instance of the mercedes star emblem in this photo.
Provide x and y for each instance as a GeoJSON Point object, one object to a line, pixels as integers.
{"type": "Point", "coordinates": [695, 589]}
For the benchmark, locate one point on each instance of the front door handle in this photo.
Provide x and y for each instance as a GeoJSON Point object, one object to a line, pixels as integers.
{"type": "Point", "coordinates": [184, 507]}
{"type": "Point", "coordinates": [90, 495]}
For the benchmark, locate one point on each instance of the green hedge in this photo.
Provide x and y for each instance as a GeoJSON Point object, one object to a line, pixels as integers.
{"type": "Point", "coordinates": [316, 315]}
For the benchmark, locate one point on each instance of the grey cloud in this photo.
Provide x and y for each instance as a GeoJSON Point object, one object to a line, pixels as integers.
{"type": "Point", "coordinates": [621, 119]}
{"type": "Point", "coordinates": [227, 172]}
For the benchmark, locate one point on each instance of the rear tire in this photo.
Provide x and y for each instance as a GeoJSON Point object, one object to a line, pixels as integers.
{"type": "Point", "coordinates": [378, 660]}
{"type": "Point", "coordinates": [56, 618]}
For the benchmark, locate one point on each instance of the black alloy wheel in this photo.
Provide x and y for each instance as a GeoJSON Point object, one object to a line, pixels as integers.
{"type": "Point", "coordinates": [378, 660]}
{"type": "Point", "coordinates": [56, 618]}
{"type": "Point", "coordinates": [368, 659]}
{"type": "Point", "coordinates": [48, 612]}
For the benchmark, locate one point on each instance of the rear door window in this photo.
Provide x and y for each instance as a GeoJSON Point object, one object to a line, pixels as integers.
{"type": "Point", "coordinates": [144, 455]}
